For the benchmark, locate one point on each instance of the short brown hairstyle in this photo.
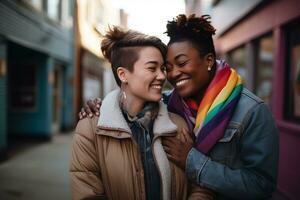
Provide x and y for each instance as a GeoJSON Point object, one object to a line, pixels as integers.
{"type": "Point", "coordinates": [121, 48]}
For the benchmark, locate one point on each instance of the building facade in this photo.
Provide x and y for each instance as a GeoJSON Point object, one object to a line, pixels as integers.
{"type": "Point", "coordinates": [36, 68]}
{"type": "Point", "coordinates": [94, 76]}
{"type": "Point", "coordinates": [261, 39]}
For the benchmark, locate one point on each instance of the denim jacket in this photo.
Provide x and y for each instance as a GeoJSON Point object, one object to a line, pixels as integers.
{"type": "Point", "coordinates": [243, 164]}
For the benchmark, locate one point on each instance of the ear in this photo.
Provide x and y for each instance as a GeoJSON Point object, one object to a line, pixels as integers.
{"type": "Point", "coordinates": [210, 59]}
{"type": "Point", "coordinates": [122, 74]}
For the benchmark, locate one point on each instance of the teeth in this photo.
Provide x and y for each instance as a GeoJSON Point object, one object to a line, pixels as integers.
{"type": "Point", "coordinates": [157, 86]}
{"type": "Point", "coordinates": [179, 83]}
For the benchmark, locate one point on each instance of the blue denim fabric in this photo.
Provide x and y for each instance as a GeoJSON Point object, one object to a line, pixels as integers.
{"type": "Point", "coordinates": [144, 137]}
{"type": "Point", "coordinates": [243, 164]}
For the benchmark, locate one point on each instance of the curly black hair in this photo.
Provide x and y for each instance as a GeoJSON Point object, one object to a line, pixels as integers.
{"type": "Point", "coordinates": [198, 30]}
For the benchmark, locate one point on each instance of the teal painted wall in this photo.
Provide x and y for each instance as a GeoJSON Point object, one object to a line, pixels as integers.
{"type": "Point", "coordinates": [68, 115]}
{"type": "Point", "coordinates": [30, 37]}
{"type": "Point", "coordinates": [36, 122]}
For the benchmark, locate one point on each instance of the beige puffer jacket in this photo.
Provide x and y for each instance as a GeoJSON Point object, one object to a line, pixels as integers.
{"type": "Point", "coordinates": [106, 163]}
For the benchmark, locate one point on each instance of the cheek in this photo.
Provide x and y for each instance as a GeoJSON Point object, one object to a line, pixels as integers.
{"type": "Point", "coordinates": [140, 82]}
{"type": "Point", "coordinates": [201, 78]}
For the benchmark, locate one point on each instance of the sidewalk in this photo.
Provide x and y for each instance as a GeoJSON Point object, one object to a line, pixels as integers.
{"type": "Point", "coordinates": [38, 172]}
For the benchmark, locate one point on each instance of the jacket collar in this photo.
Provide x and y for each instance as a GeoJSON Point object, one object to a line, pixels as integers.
{"type": "Point", "coordinates": [111, 117]}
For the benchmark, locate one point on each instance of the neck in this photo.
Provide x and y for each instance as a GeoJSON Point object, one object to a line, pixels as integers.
{"type": "Point", "coordinates": [199, 95]}
{"type": "Point", "coordinates": [132, 104]}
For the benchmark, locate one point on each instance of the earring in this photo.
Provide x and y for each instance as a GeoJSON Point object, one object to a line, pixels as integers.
{"type": "Point", "coordinates": [124, 80]}
{"type": "Point", "coordinates": [209, 68]}
{"type": "Point", "coordinates": [124, 95]}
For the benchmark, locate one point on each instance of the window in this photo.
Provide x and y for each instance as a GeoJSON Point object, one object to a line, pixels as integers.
{"type": "Point", "coordinates": [293, 72]}
{"type": "Point", "coordinates": [54, 9]}
{"type": "Point", "coordinates": [237, 60]}
{"type": "Point", "coordinates": [264, 69]}
{"type": "Point", "coordinates": [37, 4]}
{"type": "Point", "coordinates": [23, 90]}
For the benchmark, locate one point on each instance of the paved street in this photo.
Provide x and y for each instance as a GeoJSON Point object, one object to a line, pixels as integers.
{"type": "Point", "coordinates": [38, 172]}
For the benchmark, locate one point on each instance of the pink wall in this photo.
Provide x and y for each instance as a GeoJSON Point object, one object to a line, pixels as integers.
{"type": "Point", "coordinates": [271, 18]}
{"type": "Point", "coordinates": [259, 22]}
{"type": "Point", "coordinates": [289, 164]}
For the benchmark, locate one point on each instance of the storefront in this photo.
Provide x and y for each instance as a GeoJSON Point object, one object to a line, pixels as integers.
{"type": "Point", "coordinates": [36, 69]}
{"type": "Point", "coordinates": [263, 44]}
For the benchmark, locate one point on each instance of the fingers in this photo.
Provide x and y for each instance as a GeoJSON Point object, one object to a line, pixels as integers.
{"type": "Point", "coordinates": [172, 147]}
{"type": "Point", "coordinates": [98, 102]}
{"type": "Point", "coordinates": [171, 157]}
{"type": "Point", "coordinates": [83, 113]}
{"type": "Point", "coordinates": [88, 111]}
{"type": "Point", "coordinates": [170, 141]}
{"type": "Point", "coordinates": [91, 108]}
{"type": "Point", "coordinates": [187, 136]}
{"type": "Point", "coordinates": [167, 149]}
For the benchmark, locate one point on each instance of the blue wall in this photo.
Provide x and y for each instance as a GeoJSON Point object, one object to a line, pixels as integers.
{"type": "Point", "coordinates": [36, 122]}
{"type": "Point", "coordinates": [68, 116]}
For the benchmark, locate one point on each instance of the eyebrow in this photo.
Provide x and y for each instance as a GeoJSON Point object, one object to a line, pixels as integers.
{"type": "Point", "coordinates": [176, 58]}
{"type": "Point", "coordinates": [152, 62]}
{"type": "Point", "coordinates": [179, 55]}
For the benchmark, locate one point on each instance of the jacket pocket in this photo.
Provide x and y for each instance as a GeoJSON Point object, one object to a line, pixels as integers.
{"type": "Point", "coordinates": [225, 150]}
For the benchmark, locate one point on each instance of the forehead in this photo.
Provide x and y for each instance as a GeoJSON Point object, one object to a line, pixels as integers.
{"type": "Point", "coordinates": [150, 54]}
{"type": "Point", "coordinates": [177, 48]}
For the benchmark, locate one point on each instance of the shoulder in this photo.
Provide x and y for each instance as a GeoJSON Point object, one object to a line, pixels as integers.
{"type": "Point", "coordinates": [247, 103]}
{"type": "Point", "coordinates": [87, 127]}
{"type": "Point", "coordinates": [251, 108]}
{"type": "Point", "coordinates": [249, 97]}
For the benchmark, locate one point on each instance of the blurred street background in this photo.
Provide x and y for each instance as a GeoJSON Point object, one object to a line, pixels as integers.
{"type": "Point", "coordinates": [50, 64]}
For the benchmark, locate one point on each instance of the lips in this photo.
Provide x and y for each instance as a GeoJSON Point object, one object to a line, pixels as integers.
{"type": "Point", "coordinates": [181, 82]}
{"type": "Point", "coordinates": [157, 86]}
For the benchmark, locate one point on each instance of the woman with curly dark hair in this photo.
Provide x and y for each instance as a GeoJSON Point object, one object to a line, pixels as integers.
{"type": "Point", "coordinates": [235, 139]}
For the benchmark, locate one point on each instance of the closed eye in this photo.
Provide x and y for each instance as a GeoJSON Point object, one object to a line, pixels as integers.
{"type": "Point", "coordinates": [183, 63]}
{"type": "Point", "coordinates": [152, 69]}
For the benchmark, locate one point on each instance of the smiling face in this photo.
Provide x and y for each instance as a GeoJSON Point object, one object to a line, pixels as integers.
{"type": "Point", "coordinates": [187, 71]}
{"type": "Point", "coordinates": [146, 80]}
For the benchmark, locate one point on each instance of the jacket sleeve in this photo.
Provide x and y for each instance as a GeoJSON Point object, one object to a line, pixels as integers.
{"type": "Point", "coordinates": [197, 192]}
{"type": "Point", "coordinates": [256, 179]}
{"type": "Point", "coordinates": [84, 169]}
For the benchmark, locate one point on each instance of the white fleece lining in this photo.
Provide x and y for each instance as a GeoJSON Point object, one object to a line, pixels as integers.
{"type": "Point", "coordinates": [164, 168]}
{"type": "Point", "coordinates": [163, 123]}
{"type": "Point", "coordinates": [111, 116]}
{"type": "Point", "coordinates": [110, 113]}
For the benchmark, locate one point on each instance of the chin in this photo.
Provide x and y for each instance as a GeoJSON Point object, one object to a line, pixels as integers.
{"type": "Point", "coordinates": [184, 93]}
{"type": "Point", "coordinates": [155, 98]}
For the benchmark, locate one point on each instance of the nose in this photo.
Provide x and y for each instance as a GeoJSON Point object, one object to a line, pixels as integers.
{"type": "Point", "coordinates": [161, 75]}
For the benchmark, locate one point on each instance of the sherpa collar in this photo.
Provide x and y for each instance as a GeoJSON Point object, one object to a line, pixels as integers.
{"type": "Point", "coordinates": [111, 117]}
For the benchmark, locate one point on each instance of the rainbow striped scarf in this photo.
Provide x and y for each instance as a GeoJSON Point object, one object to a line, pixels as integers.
{"type": "Point", "coordinates": [209, 121]}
